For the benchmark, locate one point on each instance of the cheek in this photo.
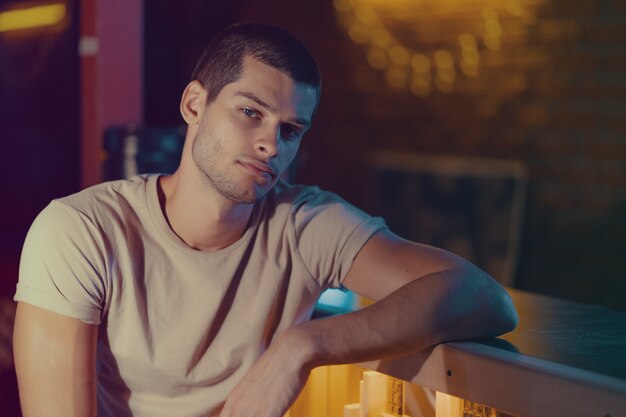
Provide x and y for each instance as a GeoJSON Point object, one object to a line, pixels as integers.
{"type": "Point", "coordinates": [236, 125]}
{"type": "Point", "coordinates": [226, 127]}
{"type": "Point", "coordinates": [288, 153]}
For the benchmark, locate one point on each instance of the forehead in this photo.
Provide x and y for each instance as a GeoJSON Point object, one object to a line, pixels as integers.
{"type": "Point", "coordinates": [275, 88]}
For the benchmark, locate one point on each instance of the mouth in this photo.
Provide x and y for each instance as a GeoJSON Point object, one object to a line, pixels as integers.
{"type": "Point", "coordinates": [258, 169]}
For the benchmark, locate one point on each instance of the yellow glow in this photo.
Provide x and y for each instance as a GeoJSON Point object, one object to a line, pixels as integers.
{"type": "Point", "coordinates": [492, 42]}
{"type": "Point", "coordinates": [420, 85]}
{"type": "Point", "coordinates": [377, 58]}
{"type": "Point", "coordinates": [373, 24]}
{"type": "Point", "coordinates": [364, 301]}
{"type": "Point", "coordinates": [327, 388]}
{"type": "Point", "coordinates": [359, 34]}
{"type": "Point", "coordinates": [32, 17]}
{"type": "Point", "coordinates": [444, 86]}
{"type": "Point", "coordinates": [393, 4]}
{"type": "Point", "coordinates": [493, 27]}
{"type": "Point", "coordinates": [490, 15]}
{"type": "Point", "coordinates": [396, 77]}
{"type": "Point", "coordinates": [470, 55]}
{"type": "Point", "coordinates": [342, 5]}
{"type": "Point", "coordinates": [399, 55]}
{"type": "Point", "coordinates": [381, 37]}
{"type": "Point", "coordinates": [469, 63]}
{"type": "Point", "coordinates": [467, 41]}
{"type": "Point", "coordinates": [420, 63]}
{"type": "Point", "coordinates": [421, 76]}
{"type": "Point", "coordinates": [513, 7]}
{"type": "Point", "coordinates": [444, 59]}
{"type": "Point", "coordinates": [365, 14]}
{"type": "Point", "coordinates": [446, 75]}
{"type": "Point", "coordinates": [469, 68]}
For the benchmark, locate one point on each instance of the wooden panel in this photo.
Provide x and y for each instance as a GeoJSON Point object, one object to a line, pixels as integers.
{"type": "Point", "coordinates": [528, 374]}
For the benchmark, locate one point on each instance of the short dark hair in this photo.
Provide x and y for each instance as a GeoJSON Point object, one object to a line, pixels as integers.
{"type": "Point", "coordinates": [221, 62]}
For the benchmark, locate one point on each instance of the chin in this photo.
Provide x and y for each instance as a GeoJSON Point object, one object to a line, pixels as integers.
{"type": "Point", "coordinates": [259, 194]}
{"type": "Point", "coordinates": [248, 197]}
{"type": "Point", "coordinates": [262, 189]}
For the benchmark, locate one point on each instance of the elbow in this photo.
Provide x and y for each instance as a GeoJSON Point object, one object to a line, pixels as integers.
{"type": "Point", "coordinates": [506, 313]}
{"type": "Point", "coordinates": [495, 307]}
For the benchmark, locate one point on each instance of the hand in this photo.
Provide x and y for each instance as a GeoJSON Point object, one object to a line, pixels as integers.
{"type": "Point", "coordinates": [273, 383]}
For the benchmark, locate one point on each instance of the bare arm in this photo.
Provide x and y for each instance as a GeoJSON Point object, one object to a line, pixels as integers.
{"type": "Point", "coordinates": [424, 296]}
{"type": "Point", "coordinates": [55, 363]}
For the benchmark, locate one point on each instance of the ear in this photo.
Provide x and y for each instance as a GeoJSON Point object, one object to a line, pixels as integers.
{"type": "Point", "coordinates": [192, 102]}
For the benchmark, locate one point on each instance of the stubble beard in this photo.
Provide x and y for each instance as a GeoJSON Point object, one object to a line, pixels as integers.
{"type": "Point", "coordinates": [206, 151]}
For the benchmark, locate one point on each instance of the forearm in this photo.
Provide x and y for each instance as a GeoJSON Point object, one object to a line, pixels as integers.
{"type": "Point", "coordinates": [454, 304]}
{"type": "Point", "coordinates": [426, 296]}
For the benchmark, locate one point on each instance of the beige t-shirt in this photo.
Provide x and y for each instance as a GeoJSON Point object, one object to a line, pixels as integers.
{"type": "Point", "coordinates": [178, 328]}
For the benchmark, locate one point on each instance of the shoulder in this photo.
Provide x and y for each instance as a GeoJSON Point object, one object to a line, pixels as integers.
{"type": "Point", "coordinates": [109, 194]}
{"type": "Point", "coordinates": [96, 211]}
{"type": "Point", "coordinates": [309, 205]}
{"type": "Point", "coordinates": [105, 202]}
{"type": "Point", "coordinates": [297, 197]}
{"type": "Point", "coordinates": [326, 230]}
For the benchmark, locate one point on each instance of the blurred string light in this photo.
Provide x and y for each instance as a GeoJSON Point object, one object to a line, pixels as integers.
{"type": "Point", "coordinates": [493, 30]}
{"type": "Point", "coordinates": [420, 71]}
{"type": "Point", "coordinates": [38, 16]}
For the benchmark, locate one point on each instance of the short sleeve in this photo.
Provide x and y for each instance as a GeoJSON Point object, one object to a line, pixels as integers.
{"type": "Point", "coordinates": [330, 232]}
{"type": "Point", "coordinates": [62, 265]}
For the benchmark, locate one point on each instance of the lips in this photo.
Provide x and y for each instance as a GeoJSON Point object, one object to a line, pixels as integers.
{"type": "Point", "coordinates": [258, 168]}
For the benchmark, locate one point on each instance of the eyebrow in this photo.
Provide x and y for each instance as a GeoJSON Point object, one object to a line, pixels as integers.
{"type": "Point", "coordinates": [266, 106]}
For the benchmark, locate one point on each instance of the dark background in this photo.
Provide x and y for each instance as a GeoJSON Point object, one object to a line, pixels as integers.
{"type": "Point", "coordinates": [553, 96]}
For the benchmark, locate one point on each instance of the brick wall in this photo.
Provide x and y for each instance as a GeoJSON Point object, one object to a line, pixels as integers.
{"type": "Point", "coordinates": [539, 81]}
{"type": "Point", "coordinates": [552, 94]}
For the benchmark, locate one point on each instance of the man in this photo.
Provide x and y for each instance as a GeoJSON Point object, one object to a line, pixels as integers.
{"type": "Point", "coordinates": [190, 294]}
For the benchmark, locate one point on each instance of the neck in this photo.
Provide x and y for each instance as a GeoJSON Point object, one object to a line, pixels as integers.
{"type": "Point", "coordinates": [201, 218]}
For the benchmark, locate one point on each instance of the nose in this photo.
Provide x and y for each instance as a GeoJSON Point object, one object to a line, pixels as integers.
{"type": "Point", "coordinates": [267, 143]}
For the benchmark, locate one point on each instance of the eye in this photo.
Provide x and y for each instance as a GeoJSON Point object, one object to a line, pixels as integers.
{"type": "Point", "coordinates": [290, 132]}
{"type": "Point", "coordinates": [249, 112]}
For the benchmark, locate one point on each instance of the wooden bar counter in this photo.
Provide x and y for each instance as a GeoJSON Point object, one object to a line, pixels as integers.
{"type": "Point", "coordinates": [564, 359]}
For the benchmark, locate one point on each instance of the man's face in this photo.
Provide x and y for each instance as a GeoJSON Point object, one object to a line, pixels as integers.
{"type": "Point", "coordinates": [251, 132]}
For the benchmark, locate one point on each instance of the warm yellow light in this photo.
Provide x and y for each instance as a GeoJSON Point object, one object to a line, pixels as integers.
{"type": "Point", "coordinates": [420, 63]}
{"type": "Point", "coordinates": [469, 63]}
{"type": "Point", "coordinates": [396, 77]}
{"type": "Point", "coordinates": [444, 59]}
{"type": "Point", "coordinates": [365, 14]}
{"type": "Point", "coordinates": [490, 15]}
{"type": "Point", "coordinates": [444, 86]}
{"type": "Point", "coordinates": [370, 23]}
{"type": "Point", "coordinates": [469, 68]}
{"type": "Point", "coordinates": [359, 34]}
{"type": "Point", "coordinates": [446, 75]}
{"type": "Point", "coordinates": [342, 5]}
{"type": "Point", "coordinates": [514, 7]}
{"type": "Point", "coordinates": [420, 85]}
{"type": "Point", "coordinates": [377, 58]}
{"type": "Point", "coordinates": [492, 27]}
{"type": "Point", "coordinates": [32, 17]}
{"type": "Point", "coordinates": [467, 41]}
{"type": "Point", "coordinates": [420, 77]}
{"type": "Point", "coordinates": [470, 55]}
{"type": "Point", "coordinates": [492, 42]}
{"type": "Point", "coordinates": [381, 37]}
{"type": "Point", "coordinates": [399, 55]}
